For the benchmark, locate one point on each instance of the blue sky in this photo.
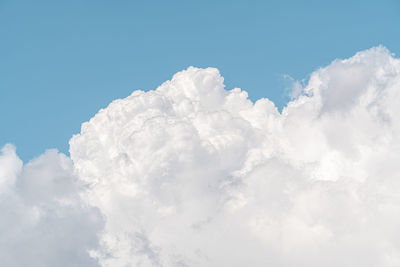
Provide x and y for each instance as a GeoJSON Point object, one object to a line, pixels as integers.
{"type": "Point", "coordinates": [61, 61]}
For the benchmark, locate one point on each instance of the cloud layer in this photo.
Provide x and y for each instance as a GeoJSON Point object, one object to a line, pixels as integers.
{"type": "Point", "coordinates": [191, 174]}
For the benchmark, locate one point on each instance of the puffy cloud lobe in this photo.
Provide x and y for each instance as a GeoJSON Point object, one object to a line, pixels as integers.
{"type": "Point", "coordinates": [191, 174]}
{"type": "Point", "coordinates": [44, 222]}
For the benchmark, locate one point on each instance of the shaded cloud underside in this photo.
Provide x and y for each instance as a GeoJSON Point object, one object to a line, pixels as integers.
{"type": "Point", "coordinates": [191, 174]}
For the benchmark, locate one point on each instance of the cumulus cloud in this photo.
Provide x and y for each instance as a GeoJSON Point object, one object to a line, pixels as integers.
{"type": "Point", "coordinates": [192, 174]}
{"type": "Point", "coordinates": [43, 221]}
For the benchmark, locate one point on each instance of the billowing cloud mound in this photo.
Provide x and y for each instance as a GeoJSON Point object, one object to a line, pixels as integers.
{"type": "Point", "coordinates": [191, 174]}
{"type": "Point", "coordinates": [44, 222]}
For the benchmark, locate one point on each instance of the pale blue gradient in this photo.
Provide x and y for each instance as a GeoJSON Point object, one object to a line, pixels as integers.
{"type": "Point", "coordinates": [61, 61]}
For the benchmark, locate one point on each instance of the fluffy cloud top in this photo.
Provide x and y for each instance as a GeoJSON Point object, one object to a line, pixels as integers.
{"type": "Point", "coordinates": [191, 174]}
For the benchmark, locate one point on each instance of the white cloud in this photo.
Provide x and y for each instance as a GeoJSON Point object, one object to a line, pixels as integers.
{"type": "Point", "coordinates": [43, 220]}
{"type": "Point", "coordinates": [191, 174]}
{"type": "Point", "coordinates": [194, 175]}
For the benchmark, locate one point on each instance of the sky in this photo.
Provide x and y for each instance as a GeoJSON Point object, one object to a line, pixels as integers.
{"type": "Point", "coordinates": [61, 61]}
{"type": "Point", "coordinates": [180, 134]}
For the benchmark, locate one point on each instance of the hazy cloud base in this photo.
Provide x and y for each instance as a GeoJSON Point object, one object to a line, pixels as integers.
{"type": "Point", "coordinates": [191, 174]}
